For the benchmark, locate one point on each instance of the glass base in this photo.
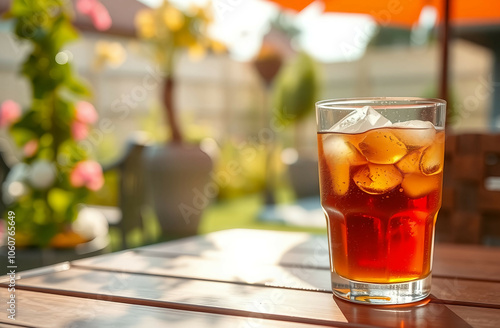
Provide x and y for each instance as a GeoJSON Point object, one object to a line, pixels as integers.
{"type": "Point", "coordinates": [381, 294]}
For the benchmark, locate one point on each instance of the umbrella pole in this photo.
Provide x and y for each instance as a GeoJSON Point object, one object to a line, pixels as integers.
{"type": "Point", "coordinates": [445, 40]}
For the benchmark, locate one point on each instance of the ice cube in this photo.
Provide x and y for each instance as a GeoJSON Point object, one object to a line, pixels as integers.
{"type": "Point", "coordinates": [338, 149]}
{"type": "Point", "coordinates": [432, 159]}
{"type": "Point", "coordinates": [377, 179]}
{"type": "Point", "coordinates": [382, 147]}
{"type": "Point", "coordinates": [415, 133]}
{"type": "Point", "coordinates": [410, 163]}
{"type": "Point", "coordinates": [340, 154]}
{"type": "Point", "coordinates": [360, 120]}
{"type": "Point", "coordinates": [416, 185]}
{"type": "Point", "coordinates": [340, 177]}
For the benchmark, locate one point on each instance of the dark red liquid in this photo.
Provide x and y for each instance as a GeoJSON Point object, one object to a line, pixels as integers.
{"type": "Point", "coordinates": [385, 237]}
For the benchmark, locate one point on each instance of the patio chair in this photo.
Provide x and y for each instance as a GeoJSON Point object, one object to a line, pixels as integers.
{"type": "Point", "coordinates": [132, 191]}
{"type": "Point", "coordinates": [7, 160]}
{"type": "Point", "coordinates": [4, 170]}
{"type": "Point", "coordinates": [470, 212]}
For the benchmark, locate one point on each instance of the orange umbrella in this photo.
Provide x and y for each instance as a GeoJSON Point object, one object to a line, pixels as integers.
{"type": "Point", "coordinates": [405, 13]}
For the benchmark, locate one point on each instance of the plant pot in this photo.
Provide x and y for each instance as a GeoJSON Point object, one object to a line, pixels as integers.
{"type": "Point", "coordinates": [179, 177]}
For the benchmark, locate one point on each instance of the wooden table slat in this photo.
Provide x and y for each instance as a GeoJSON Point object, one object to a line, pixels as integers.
{"type": "Point", "coordinates": [477, 317]}
{"type": "Point", "coordinates": [190, 292]}
{"type": "Point", "coordinates": [451, 261]}
{"type": "Point", "coordinates": [225, 298]}
{"type": "Point", "coordinates": [232, 270]}
{"type": "Point", "coordinates": [49, 310]}
{"type": "Point", "coordinates": [185, 266]}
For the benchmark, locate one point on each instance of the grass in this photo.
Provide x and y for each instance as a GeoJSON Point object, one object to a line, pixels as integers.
{"type": "Point", "coordinates": [242, 213]}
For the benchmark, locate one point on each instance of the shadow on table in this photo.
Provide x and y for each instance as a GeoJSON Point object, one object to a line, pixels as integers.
{"type": "Point", "coordinates": [313, 254]}
{"type": "Point", "coordinates": [421, 314]}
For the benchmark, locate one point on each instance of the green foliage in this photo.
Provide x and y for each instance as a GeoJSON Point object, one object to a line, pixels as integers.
{"type": "Point", "coordinates": [249, 174]}
{"type": "Point", "coordinates": [169, 30]}
{"type": "Point", "coordinates": [296, 90]}
{"type": "Point", "coordinates": [43, 211]}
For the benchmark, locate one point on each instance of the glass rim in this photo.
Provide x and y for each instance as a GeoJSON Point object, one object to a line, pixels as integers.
{"type": "Point", "coordinates": [359, 102]}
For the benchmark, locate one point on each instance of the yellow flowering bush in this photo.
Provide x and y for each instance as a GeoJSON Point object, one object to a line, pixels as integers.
{"type": "Point", "coordinates": [168, 29]}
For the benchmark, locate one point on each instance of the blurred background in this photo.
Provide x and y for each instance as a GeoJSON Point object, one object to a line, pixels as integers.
{"type": "Point", "coordinates": [239, 79]}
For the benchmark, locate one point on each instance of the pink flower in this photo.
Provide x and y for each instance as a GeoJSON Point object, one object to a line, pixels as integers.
{"type": "Point", "coordinates": [100, 17]}
{"type": "Point", "coordinates": [86, 113]}
{"type": "Point", "coordinates": [85, 6]}
{"type": "Point", "coordinates": [30, 148]}
{"type": "Point", "coordinates": [87, 174]}
{"type": "Point", "coordinates": [10, 112]}
{"type": "Point", "coordinates": [79, 130]}
{"type": "Point", "coordinates": [96, 11]}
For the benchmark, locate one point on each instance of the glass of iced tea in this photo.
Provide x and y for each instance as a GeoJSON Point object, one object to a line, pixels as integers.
{"type": "Point", "coordinates": [381, 173]}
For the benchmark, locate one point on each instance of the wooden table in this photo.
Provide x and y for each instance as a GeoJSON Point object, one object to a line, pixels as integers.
{"type": "Point", "coordinates": [243, 278]}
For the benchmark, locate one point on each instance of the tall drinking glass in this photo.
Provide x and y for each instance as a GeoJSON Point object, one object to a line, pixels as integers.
{"type": "Point", "coordinates": [381, 173]}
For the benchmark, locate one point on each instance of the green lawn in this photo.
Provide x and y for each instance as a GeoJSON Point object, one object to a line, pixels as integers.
{"type": "Point", "coordinates": [242, 213]}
